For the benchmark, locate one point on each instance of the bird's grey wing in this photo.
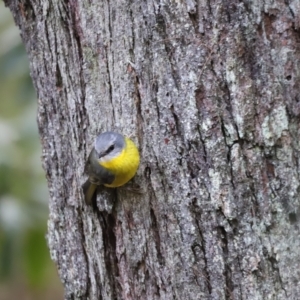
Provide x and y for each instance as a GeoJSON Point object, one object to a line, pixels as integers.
{"type": "Point", "coordinates": [97, 173]}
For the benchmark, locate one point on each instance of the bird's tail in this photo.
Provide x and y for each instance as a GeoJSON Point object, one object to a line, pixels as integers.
{"type": "Point", "coordinates": [89, 192]}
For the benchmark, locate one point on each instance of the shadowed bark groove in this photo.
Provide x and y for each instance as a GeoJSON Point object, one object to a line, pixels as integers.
{"type": "Point", "coordinates": [209, 90]}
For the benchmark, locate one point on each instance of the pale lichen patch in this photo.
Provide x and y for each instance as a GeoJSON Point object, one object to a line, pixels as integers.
{"type": "Point", "coordinates": [274, 124]}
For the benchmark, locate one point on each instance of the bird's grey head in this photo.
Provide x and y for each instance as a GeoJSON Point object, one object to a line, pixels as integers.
{"type": "Point", "coordinates": [109, 145]}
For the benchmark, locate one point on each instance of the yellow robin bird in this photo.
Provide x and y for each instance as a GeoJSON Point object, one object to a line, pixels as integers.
{"type": "Point", "coordinates": [112, 162]}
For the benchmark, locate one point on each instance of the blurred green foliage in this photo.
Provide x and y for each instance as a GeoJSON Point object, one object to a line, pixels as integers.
{"type": "Point", "coordinates": [26, 271]}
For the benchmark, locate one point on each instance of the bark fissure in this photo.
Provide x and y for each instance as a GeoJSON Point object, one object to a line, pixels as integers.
{"type": "Point", "coordinates": [227, 267]}
{"type": "Point", "coordinates": [107, 222]}
{"type": "Point", "coordinates": [156, 237]}
{"type": "Point", "coordinates": [206, 272]}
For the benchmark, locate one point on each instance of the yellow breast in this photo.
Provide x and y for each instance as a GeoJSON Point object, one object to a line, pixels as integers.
{"type": "Point", "coordinates": [125, 165]}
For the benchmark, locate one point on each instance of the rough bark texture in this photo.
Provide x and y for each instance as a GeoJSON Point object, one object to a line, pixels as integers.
{"type": "Point", "coordinates": [209, 90]}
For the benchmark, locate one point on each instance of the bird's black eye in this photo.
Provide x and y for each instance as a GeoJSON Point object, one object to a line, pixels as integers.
{"type": "Point", "coordinates": [111, 148]}
{"type": "Point", "coordinates": [107, 151]}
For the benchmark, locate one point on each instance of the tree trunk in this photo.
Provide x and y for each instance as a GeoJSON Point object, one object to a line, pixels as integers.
{"type": "Point", "coordinates": [209, 90]}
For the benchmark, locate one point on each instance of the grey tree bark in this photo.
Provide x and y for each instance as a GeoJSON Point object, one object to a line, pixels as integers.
{"type": "Point", "coordinates": [209, 90]}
